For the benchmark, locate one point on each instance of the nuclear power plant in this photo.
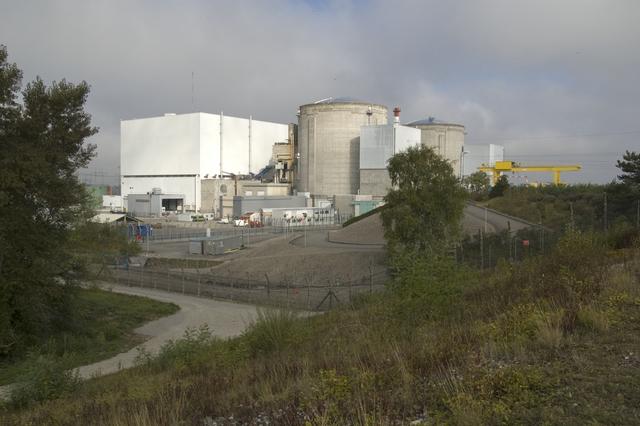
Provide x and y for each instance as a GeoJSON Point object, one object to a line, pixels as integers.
{"type": "Point", "coordinates": [215, 165]}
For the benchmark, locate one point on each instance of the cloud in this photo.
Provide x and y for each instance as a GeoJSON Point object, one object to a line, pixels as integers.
{"type": "Point", "coordinates": [510, 70]}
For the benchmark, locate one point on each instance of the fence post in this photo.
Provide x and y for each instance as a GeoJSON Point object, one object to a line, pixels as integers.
{"type": "Point", "coordinates": [182, 269]}
{"type": "Point", "coordinates": [168, 280]}
{"type": "Point", "coordinates": [268, 285]}
{"type": "Point", "coordinates": [198, 271]}
{"type": "Point", "coordinates": [370, 275]}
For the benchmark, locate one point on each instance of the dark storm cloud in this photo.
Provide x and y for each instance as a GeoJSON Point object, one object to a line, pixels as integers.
{"type": "Point", "coordinates": [540, 77]}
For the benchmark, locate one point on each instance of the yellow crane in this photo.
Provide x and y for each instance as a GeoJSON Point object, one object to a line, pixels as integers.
{"type": "Point", "coordinates": [510, 166]}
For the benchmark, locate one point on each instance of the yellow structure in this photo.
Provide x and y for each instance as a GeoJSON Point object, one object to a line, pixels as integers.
{"type": "Point", "coordinates": [509, 166]}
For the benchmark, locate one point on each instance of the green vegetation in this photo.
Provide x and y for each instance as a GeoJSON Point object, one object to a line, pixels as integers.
{"type": "Point", "coordinates": [104, 327]}
{"type": "Point", "coordinates": [41, 202]}
{"type": "Point", "coordinates": [478, 185]}
{"type": "Point", "coordinates": [630, 168]}
{"type": "Point", "coordinates": [584, 207]}
{"type": "Point", "coordinates": [550, 339]}
{"type": "Point", "coordinates": [425, 206]}
{"type": "Point", "coordinates": [499, 189]}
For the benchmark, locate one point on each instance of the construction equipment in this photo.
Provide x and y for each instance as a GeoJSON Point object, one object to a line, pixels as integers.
{"type": "Point", "coordinates": [510, 166]}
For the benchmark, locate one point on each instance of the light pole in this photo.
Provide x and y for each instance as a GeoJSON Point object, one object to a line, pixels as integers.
{"type": "Point", "coordinates": [462, 154]}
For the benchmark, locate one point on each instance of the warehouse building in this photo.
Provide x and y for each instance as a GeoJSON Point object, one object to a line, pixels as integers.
{"type": "Point", "coordinates": [154, 203]}
{"type": "Point", "coordinates": [175, 152]}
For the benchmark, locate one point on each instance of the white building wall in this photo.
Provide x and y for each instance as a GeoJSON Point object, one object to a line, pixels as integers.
{"type": "Point", "coordinates": [168, 145]}
{"type": "Point", "coordinates": [174, 152]}
{"type": "Point", "coordinates": [477, 155]}
{"type": "Point", "coordinates": [377, 144]}
{"type": "Point", "coordinates": [209, 145]}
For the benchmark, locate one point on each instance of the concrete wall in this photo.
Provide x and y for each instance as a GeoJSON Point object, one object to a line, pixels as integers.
{"type": "Point", "coordinates": [217, 194]}
{"type": "Point", "coordinates": [374, 182]}
{"type": "Point", "coordinates": [329, 145]}
{"type": "Point", "coordinates": [245, 204]}
{"type": "Point", "coordinates": [446, 139]}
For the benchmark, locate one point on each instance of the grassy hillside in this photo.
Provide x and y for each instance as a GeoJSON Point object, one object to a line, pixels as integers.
{"type": "Point", "coordinates": [553, 205]}
{"type": "Point", "coordinates": [548, 340]}
{"type": "Point", "coordinates": [103, 326]}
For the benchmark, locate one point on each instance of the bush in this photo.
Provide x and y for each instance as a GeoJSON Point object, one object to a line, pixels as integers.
{"type": "Point", "coordinates": [46, 379]}
{"type": "Point", "coordinates": [181, 354]}
{"type": "Point", "coordinates": [274, 330]}
{"type": "Point", "coordinates": [428, 287]}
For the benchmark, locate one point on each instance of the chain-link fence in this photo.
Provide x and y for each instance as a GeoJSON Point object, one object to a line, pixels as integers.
{"type": "Point", "coordinates": [185, 230]}
{"type": "Point", "coordinates": [304, 293]}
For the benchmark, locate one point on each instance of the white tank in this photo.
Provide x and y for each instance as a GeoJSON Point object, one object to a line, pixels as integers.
{"type": "Point", "coordinates": [328, 159]}
{"type": "Point", "coordinates": [447, 139]}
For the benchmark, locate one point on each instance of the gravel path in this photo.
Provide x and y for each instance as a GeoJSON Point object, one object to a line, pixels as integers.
{"type": "Point", "coordinates": [225, 319]}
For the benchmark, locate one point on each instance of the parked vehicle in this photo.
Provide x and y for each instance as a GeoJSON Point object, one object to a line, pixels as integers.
{"type": "Point", "coordinates": [224, 221]}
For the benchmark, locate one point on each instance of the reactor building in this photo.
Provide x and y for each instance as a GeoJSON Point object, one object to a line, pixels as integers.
{"type": "Point", "coordinates": [336, 155]}
{"type": "Point", "coordinates": [329, 144]}
{"type": "Point", "coordinates": [447, 140]}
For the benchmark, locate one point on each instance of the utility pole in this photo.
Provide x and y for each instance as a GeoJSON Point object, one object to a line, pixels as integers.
{"type": "Point", "coordinates": [485, 219]}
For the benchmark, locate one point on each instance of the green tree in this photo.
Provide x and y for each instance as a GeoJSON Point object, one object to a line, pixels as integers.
{"type": "Point", "coordinates": [477, 183]}
{"type": "Point", "coordinates": [424, 208]}
{"type": "Point", "coordinates": [42, 145]}
{"type": "Point", "coordinates": [500, 187]}
{"type": "Point", "coordinates": [630, 168]}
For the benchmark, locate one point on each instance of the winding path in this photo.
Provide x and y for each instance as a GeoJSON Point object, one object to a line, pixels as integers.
{"type": "Point", "coordinates": [225, 319]}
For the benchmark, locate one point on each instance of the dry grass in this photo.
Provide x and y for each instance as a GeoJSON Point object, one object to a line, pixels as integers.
{"type": "Point", "coordinates": [505, 352]}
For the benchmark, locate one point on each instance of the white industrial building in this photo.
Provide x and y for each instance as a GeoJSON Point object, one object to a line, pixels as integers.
{"type": "Point", "coordinates": [477, 155]}
{"type": "Point", "coordinates": [175, 151]}
{"type": "Point", "coordinates": [377, 145]}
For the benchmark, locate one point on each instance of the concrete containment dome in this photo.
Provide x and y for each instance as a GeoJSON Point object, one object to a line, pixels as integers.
{"type": "Point", "coordinates": [329, 144]}
{"type": "Point", "coordinates": [447, 139]}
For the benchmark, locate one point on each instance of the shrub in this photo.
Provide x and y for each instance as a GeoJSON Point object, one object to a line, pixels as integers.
{"type": "Point", "coordinates": [182, 353]}
{"type": "Point", "coordinates": [273, 330]}
{"type": "Point", "coordinates": [46, 379]}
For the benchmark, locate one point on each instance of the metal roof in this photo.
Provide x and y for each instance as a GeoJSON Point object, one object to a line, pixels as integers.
{"type": "Point", "coordinates": [431, 121]}
{"type": "Point", "coordinates": [340, 100]}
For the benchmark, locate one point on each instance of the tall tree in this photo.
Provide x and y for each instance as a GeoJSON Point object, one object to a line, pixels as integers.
{"type": "Point", "coordinates": [424, 208]}
{"type": "Point", "coordinates": [630, 168]}
{"type": "Point", "coordinates": [501, 186]}
{"type": "Point", "coordinates": [477, 182]}
{"type": "Point", "coordinates": [42, 145]}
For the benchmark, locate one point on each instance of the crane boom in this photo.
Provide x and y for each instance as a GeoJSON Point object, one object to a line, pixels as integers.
{"type": "Point", "coordinates": [510, 166]}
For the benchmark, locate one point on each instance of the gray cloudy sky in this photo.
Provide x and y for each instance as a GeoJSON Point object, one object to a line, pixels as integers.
{"type": "Point", "coordinates": [555, 81]}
